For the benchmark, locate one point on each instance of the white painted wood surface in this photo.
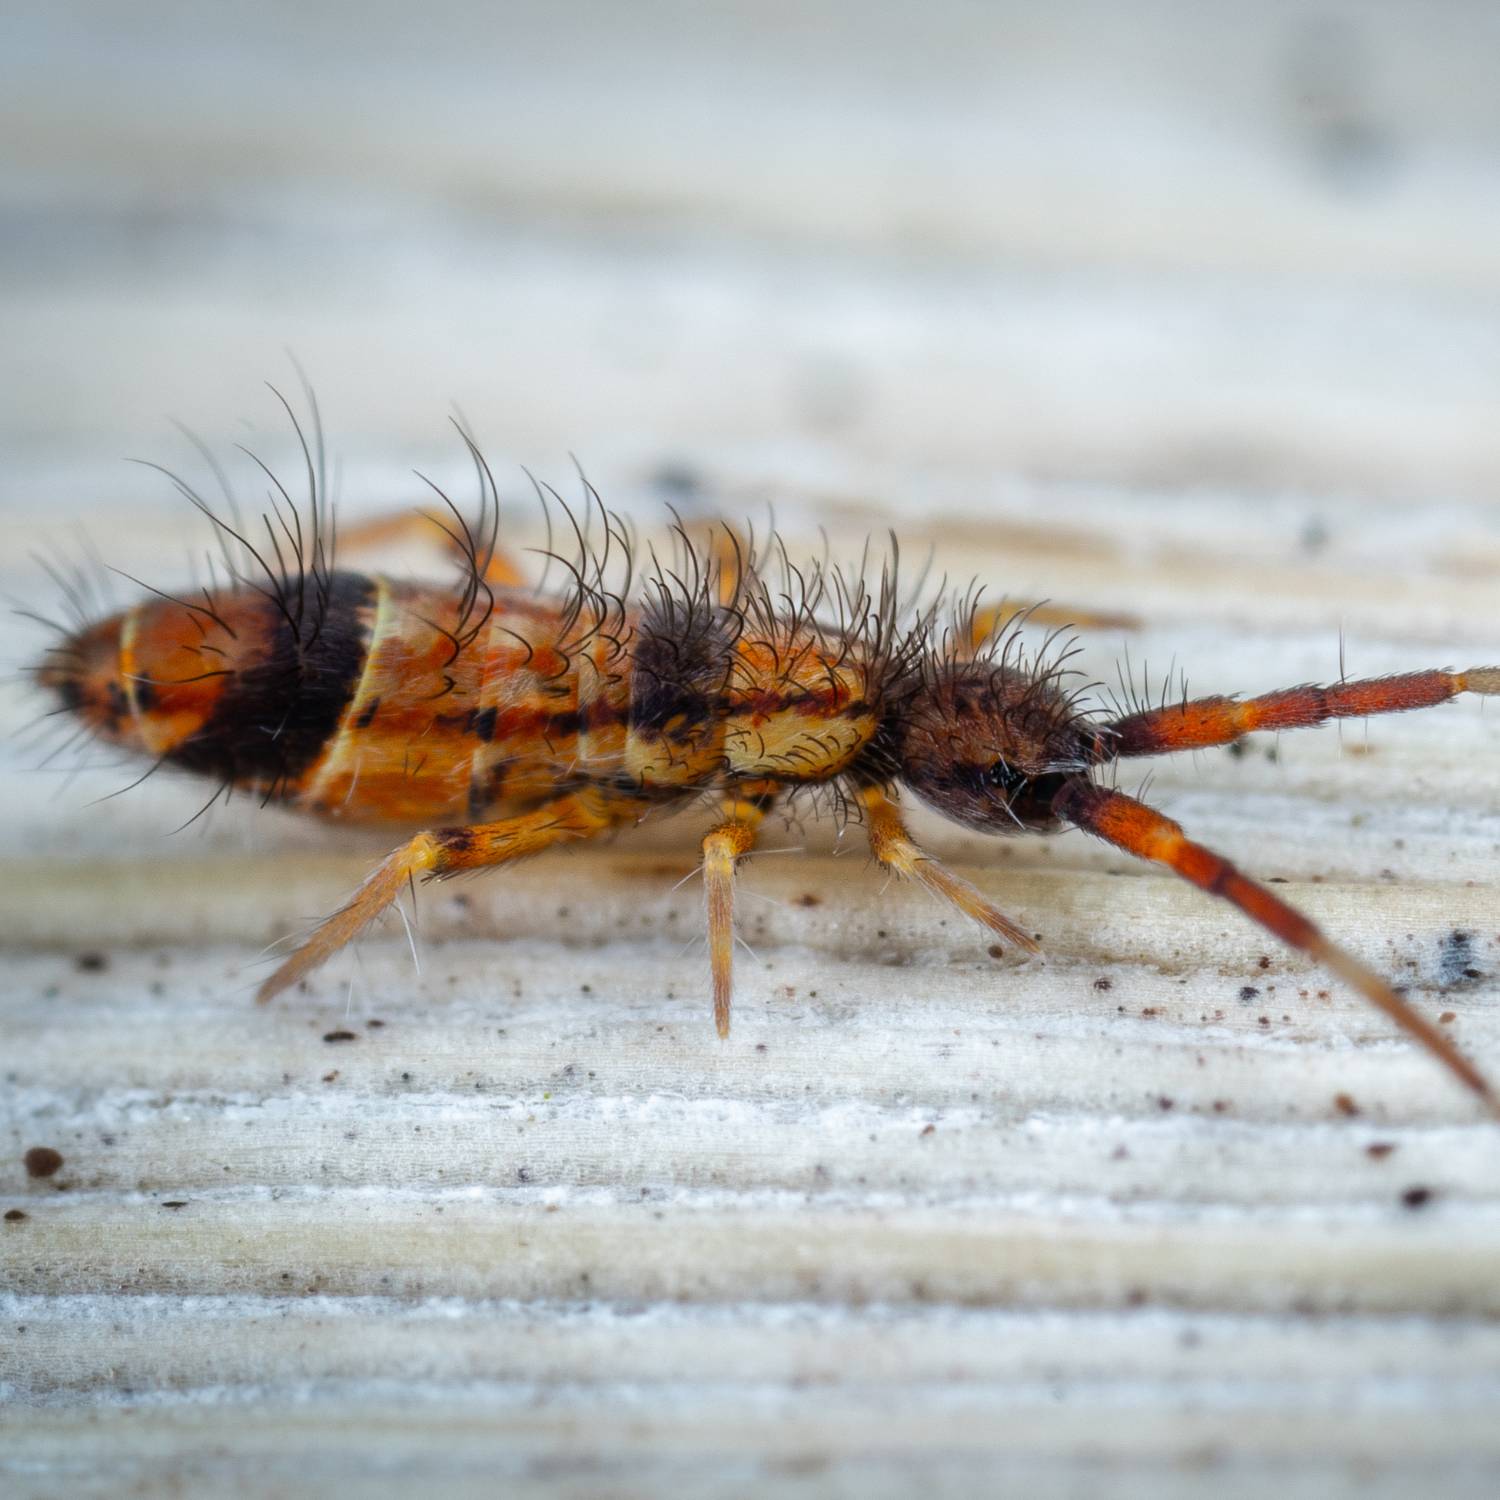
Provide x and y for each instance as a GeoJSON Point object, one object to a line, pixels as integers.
{"type": "Point", "coordinates": [1179, 315]}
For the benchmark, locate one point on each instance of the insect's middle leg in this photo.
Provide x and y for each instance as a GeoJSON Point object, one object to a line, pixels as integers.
{"type": "Point", "coordinates": [895, 848]}
{"type": "Point", "coordinates": [744, 809]}
{"type": "Point", "coordinates": [447, 851]}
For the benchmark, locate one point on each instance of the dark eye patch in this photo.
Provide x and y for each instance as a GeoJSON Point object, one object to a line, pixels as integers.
{"type": "Point", "coordinates": [1005, 778]}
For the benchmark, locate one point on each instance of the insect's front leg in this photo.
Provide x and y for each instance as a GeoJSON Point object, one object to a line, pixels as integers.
{"type": "Point", "coordinates": [447, 851]}
{"type": "Point", "coordinates": [744, 809]}
{"type": "Point", "coordinates": [991, 619]}
{"type": "Point", "coordinates": [895, 848]}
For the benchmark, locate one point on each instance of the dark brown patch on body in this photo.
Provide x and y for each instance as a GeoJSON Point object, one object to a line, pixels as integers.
{"type": "Point", "coordinates": [681, 661]}
{"type": "Point", "coordinates": [275, 718]}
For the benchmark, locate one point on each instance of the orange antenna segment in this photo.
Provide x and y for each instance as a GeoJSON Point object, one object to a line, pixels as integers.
{"type": "Point", "coordinates": [1199, 723]}
{"type": "Point", "coordinates": [1148, 834]}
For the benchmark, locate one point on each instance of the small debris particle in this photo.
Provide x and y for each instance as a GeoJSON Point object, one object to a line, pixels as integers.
{"type": "Point", "coordinates": [374, 1023]}
{"type": "Point", "coordinates": [1456, 962]}
{"type": "Point", "coordinates": [995, 951]}
{"type": "Point", "coordinates": [1248, 992]}
{"type": "Point", "coordinates": [1417, 1197]}
{"type": "Point", "coordinates": [1345, 1104]}
{"type": "Point", "coordinates": [1220, 1105]}
{"type": "Point", "coordinates": [175, 1203]}
{"type": "Point", "coordinates": [1264, 961]}
{"type": "Point", "coordinates": [1448, 1017]}
{"type": "Point", "coordinates": [678, 479]}
{"type": "Point", "coordinates": [1120, 1153]}
{"type": "Point", "coordinates": [15, 1215]}
{"type": "Point", "coordinates": [91, 963]}
{"type": "Point", "coordinates": [340, 1036]}
{"type": "Point", "coordinates": [43, 1161]}
{"type": "Point", "coordinates": [331, 1076]}
{"type": "Point", "coordinates": [1104, 983]}
{"type": "Point", "coordinates": [1164, 1103]}
{"type": "Point", "coordinates": [1149, 1010]}
{"type": "Point", "coordinates": [929, 1129]}
{"type": "Point", "coordinates": [1379, 1150]}
{"type": "Point", "coordinates": [761, 1046]}
{"type": "Point", "coordinates": [808, 898]}
{"type": "Point", "coordinates": [1264, 1020]}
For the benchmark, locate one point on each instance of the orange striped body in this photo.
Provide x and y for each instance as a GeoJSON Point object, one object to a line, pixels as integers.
{"type": "Point", "coordinates": [392, 713]}
{"type": "Point", "coordinates": [506, 727]}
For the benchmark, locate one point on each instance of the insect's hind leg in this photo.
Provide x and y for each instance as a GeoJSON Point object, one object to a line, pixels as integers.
{"type": "Point", "coordinates": [447, 851]}
{"type": "Point", "coordinates": [744, 809]}
{"type": "Point", "coordinates": [1201, 723]}
{"type": "Point", "coordinates": [895, 848]}
{"type": "Point", "coordinates": [429, 524]}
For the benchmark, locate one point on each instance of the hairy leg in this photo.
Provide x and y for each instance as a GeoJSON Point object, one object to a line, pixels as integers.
{"type": "Point", "coordinates": [1201, 723]}
{"type": "Point", "coordinates": [1148, 834]}
{"type": "Point", "coordinates": [744, 809]}
{"type": "Point", "coordinates": [447, 851]}
{"type": "Point", "coordinates": [893, 846]}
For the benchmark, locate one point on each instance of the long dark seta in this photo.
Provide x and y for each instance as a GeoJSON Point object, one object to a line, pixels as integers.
{"type": "Point", "coordinates": [503, 717]}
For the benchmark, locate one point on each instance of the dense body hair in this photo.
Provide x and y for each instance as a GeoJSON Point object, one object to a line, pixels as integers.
{"type": "Point", "coordinates": [658, 677]}
{"type": "Point", "coordinates": [503, 717]}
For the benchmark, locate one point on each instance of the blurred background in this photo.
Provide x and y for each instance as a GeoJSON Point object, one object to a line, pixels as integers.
{"type": "Point", "coordinates": [1189, 311]}
{"type": "Point", "coordinates": [1179, 245]}
{"type": "Point", "coordinates": [1186, 310]}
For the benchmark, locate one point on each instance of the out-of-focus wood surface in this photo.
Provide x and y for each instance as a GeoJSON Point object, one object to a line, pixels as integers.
{"type": "Point", "coordinates": [1192, 315]}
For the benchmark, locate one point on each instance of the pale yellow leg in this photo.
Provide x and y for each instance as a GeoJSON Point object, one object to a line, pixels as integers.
{"type": "Point", "coordinates": [744, 809]}
{"type": "Point", "coordinates": [893, 846]}
{"type": "Point", "coordinates": [446, 851]}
